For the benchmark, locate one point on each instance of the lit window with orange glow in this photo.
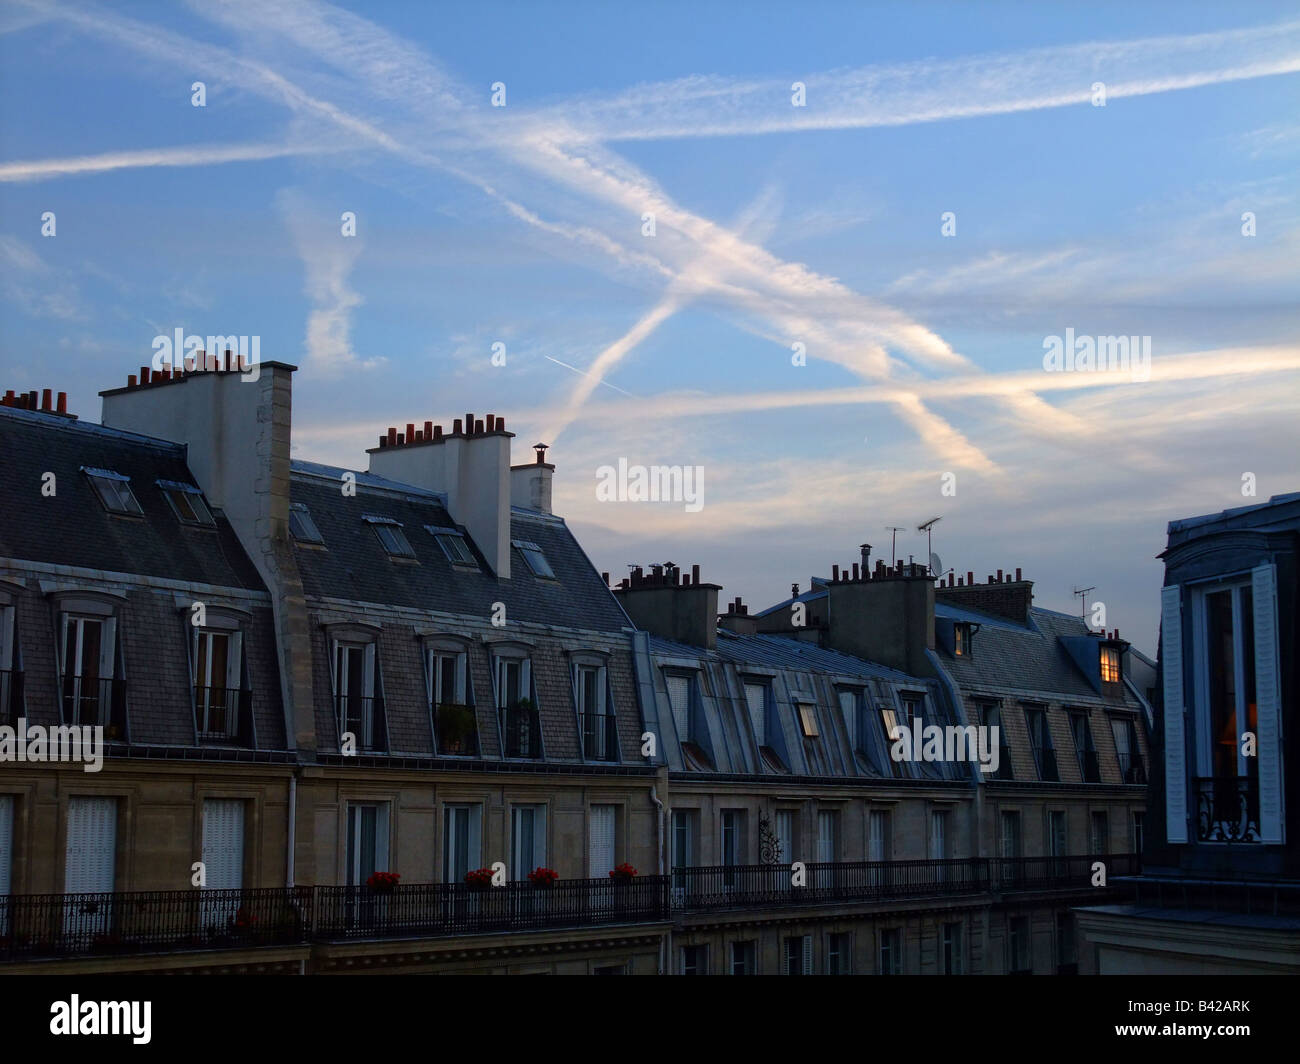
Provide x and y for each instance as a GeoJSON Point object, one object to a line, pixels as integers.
{"type": "Point", "coordinates": [1109, 665]}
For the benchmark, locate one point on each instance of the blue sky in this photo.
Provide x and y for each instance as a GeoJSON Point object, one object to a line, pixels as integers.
{"type": "Point", "coordinates": [775, 225]}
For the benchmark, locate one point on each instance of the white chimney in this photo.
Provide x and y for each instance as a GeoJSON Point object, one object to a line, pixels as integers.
{"type": "Point", "coordinates": [530, 485]}
{"type": "Point", "coordinates": [236, 431]}
{"type": "Point", "coordinates": [471, 466]}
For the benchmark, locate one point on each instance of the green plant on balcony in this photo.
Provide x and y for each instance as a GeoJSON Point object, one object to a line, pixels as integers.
{"type": "Point", "coordinates": [457, 727]}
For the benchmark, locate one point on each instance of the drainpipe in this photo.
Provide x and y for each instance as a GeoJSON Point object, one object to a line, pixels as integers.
{"type": "Point", "coordinates": [293, 824]}
{"type": "Point", "coordinates": [659, 847]}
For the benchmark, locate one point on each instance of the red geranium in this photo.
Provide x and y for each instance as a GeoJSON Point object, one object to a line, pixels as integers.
{"type": "Point", "coordinates": [480, 877]}
{"type": "Point", "coordinates": [383, 880]}
{"type": "Point", "coordinates": [543, 877]}
{"type": "Point", "coordinates": [623, 871]}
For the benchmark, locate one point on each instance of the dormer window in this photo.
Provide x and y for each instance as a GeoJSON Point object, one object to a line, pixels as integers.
{"type": "Point", "coordinates": [114, 491]}
{"type": "Point", "coordinates": [961, 640]}
{"type": "Point", "coordinates": [453, 544]}
{"type": "Point", "coordinates": [1110, 665]}
{"type": "Point", "coordinates": [220, 696]}
{"type": "Point", "coordinates": [535, 558]}
{"type": "Point", "coordinates": [301, 526]}
{"type": "Point", "coordinates": [390, 535]}
{"type": "Point", "coordinates": [187, 503]}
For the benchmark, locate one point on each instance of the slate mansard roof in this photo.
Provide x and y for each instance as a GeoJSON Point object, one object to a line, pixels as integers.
{"type": "Point", "coordinates": [71, 527]}
{"type": "Point", "coordinates": [353, 564]}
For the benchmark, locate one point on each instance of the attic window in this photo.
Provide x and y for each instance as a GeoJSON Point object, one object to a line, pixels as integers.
{"type": "Point", "coordinates": [114, 491]}
{"type": "Point", "coordinates": [390, 535]}
{"type": "Point", "coordinates": [452, 542]}
{"type": "Point", "coordinates": [301, 526]}
{"type": "Point", "coordinates": [187, 502]}
{"type": "Point", "coordinates": [1110, 672]}
{"type": "Point", "coordinates": [808, 720]}
{"type": "Point", "coordinates": [961, 640]}
{"type": "Point", "coordinates": [535, 558]}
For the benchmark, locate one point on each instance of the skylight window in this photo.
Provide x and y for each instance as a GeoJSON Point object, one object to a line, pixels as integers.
{"type": "Point", "coordinates": [808, 720]}
{"type": "Point", "coordinates": [452, 542]}
{"type": "Point", "coordinates": [187, 502]}
{"type": "Point", "coordinates": [535, 558]}
{"type": "Point", "coordinates": [301, 526]}
{"type": "Point", "coordinates": [390, 535]}
{"type": "Point", "coordinates": [114, 491]}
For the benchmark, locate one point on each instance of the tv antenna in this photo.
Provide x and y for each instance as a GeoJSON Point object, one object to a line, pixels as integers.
{"type": "Point", "coordinates": [928, 528]}
{"type": "Point", "coordinates": [1082, 592]}
{"type": "Point", "coordinates": [893, 542]}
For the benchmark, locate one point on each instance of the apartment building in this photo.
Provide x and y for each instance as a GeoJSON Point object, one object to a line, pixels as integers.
{"type": "Point", "coordinates": [1219, 891]}
{"type": "Point", "coordinates": [391, 719]}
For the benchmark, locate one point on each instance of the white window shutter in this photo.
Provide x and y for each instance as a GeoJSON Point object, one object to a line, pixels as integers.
{"type": "Point", "coordinates": [107, 647]}
{"type": "Point", "coordinates": [91, 845]}
{"type": "Point", "coordinates": [785, 835]}
{"type": "Point", "coordinates": [1268, 704]}
{"type": "Point", "coordinates": [679, 696]}
{"type": "Point", "coordinates": [807, 955]}
{"type": "Point", "coordinates": [1171, 647]}
{"type": "Point", "coordinates": [223, 843]}
{"type": "Point", "coordinates": [6, 844]}
{"type": "Point", "coordinates": [475, 848]}
{"type": "Point", "coordinates": [526, 680]}
{"type": "Point", "coordinates": [461, 690]}
{"type": "Point", "coordinates": [756, 698]}
{"type": "Point", "coordinates": [602, 841]}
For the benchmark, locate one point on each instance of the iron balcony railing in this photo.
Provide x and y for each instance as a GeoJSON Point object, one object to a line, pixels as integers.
{"type": "Point", "coordinates": [522, 731]}
{"type": "Point", "coordinates": [89, 701]}
{"type": "Point", "coordinates": [363, 717]}
{"type": "Point", "coordinates": [1227, 809]}
{"type": "Point", "coordinates": [431, 910]}
{"type": "Point", "coordinates": [52, 926]}
{"type": "Point", "coordinates": [160, 921]}
{"type": "Point", "coordinates": [599, 737]}
{"type": "Point", "coordinates": [744, 886]}
{"type": "Point", "coordinates": [1060, 873]}
{"type": "Point", "coordinates": [11, 696]}
{"type": "Point", "coordinates": [1131, 769]}
{"type": "Point", "coordinates": [222, 715]}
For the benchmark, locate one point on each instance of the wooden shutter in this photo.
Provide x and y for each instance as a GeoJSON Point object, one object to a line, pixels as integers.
{"type": "Point", "coordinates": [602, 841]}
{"type": "Point", "coordinates": [6, 843]}
{"type": "Point", "coordinates": [223, 843]}
{"type": "Point", "coordinates": [1171, 649]}
{"type": "Point", "coordinates": [91, 845]}
{"type": "Point", "coordinates": [1268, 703]}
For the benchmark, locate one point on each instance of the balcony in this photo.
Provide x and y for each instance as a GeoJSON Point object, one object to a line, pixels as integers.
{"type": "Point", "coordinates": [599, 737]}
{"type": "Point", "coordinates": [1132, 770]}
{"type": "Point", "coordinates": [521, 730]}
{"type": "Point", "coordinates": [43, 927]}
{"type": "Point", "coordinates": [223, 715]}
{"type": "Point", "coordinates": [455, 728]}
{"type": "Point", "coordinates": [436, 910]}
{"type": "Point", "coordinates": [53, 926]}
{"type": "Point", "coordinates": [761, 886]}
{"type": "Point", "coordinates": [1089, 766]}
{"type": "Point", "coordinates": [363, 717]}
{"type": "Point", "coordinates": [1227, 809]}
{"type": "Point", "coordinates": [90, 701]}
{"type": "Point", "coordinates": [11, 696]}
{"type": "Point", "coordinates": [1014, 874]}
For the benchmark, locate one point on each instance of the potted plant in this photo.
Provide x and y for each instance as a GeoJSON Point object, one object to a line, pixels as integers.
{"type": "Point", "coordinates": [623, 873]}
{"type": "Point", "coordinates": [543, 877]}
{"type": "Point", "coordinates": [457, 727]}
{"type": "Point", "coordinates": [479, 879]}
{"type": "Point", "coordinates": [383, 882]}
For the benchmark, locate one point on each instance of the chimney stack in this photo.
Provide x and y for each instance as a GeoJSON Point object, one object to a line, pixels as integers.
{"type": "Point", "coordinates": [471, 467]}
{"type": "Point", "coordinates": [530, 484]}
{"type": "Point", "coordinates": [684, 613]}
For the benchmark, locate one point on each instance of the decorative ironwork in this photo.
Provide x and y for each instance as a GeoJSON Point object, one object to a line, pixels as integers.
{"type": "Point", "coordinates": [1227, 809]}
{"type": "Point", "coordinates": [769, 846]}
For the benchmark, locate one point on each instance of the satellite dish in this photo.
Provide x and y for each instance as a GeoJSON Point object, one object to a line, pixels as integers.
{"type": "Point", "coordinates": [936, 565]}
